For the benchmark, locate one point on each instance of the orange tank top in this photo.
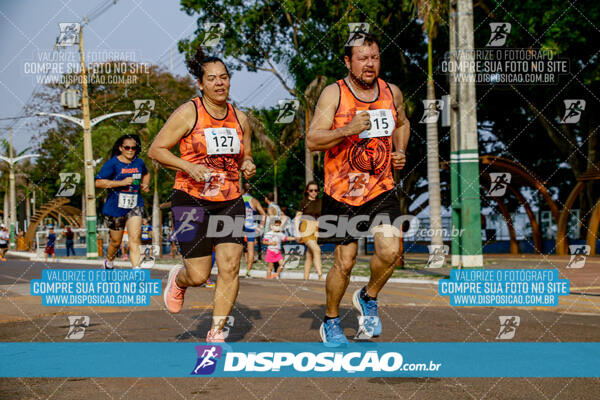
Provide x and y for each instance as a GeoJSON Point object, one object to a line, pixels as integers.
{"type": "Point", "coordinates": [217, 144]}
{"type": "Point", "coordinates": [358, 169]}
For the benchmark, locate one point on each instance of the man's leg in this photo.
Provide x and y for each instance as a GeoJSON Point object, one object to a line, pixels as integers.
{"type": "Point", "coordinates": [228, 256]}
{"type": "Point", "coordinates": [383, 262]}
{"type": "Point", "coordinates": [338, 277]}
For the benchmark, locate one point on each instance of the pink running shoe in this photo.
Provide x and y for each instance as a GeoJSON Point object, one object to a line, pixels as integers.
{"type": "Point", "coordinates": [173, 294]}
{"type": "Point", "coordinates": [215, 336]}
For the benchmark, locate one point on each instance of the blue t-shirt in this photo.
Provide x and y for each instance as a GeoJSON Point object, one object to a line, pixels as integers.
{"type": "Point", "coordinates": [116, 170]}
{"type": "Point", "coordinates": [51, 240]}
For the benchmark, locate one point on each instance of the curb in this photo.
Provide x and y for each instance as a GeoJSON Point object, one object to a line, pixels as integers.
{"type": "Point", "coordinates": [254, 274]}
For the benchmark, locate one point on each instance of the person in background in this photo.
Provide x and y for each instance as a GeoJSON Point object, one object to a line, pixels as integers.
{"type": "Point", "coordinates": [174, 249]}
{"type": "Point", "coordinates": [124, 176]}
{"type": "Point", "coordinates": [308, 227]}
{"type": "Point", "coordinates": [51, 240]}
{"type": "Point", "coordinates": [125, 245]}
{"type": "Point", "coordinates": [146, 232]}
{"type": "Point", "coordinates": [4, 238]}
{"type": "Point", "coordinates": [251, 231]}
{"type": "Point", "coordinates": [273, 239]}
{"type": "Point", "coordinates": [274, 212]}
{"type": "Point", "coordinates": [69, 240]}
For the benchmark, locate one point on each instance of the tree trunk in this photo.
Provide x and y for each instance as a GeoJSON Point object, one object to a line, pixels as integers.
{"type": "Point", "coordinates": [6, 208]}
{"type": "Point", "coordinates": [27, 211]}
{"type": "Point", "coordinates": [433, 166]}
{"type": "Point", "coordinates": [308, 156]}
{"type": "Point", "coordinates": [82, 209]}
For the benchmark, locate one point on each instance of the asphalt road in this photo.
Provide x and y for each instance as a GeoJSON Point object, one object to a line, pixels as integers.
{"type": "Point", "coordinates": [290, 310]}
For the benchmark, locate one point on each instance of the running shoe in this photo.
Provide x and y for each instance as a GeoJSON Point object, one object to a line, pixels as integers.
{"type": "Point", "coordinates": [332, 333]}
{"type": "Point", "coordinates": [173, 295]}
{"type": "Point", "coordinates": [247, 273]}
{"type": "Point", "coordinates": [215, 336]}
{"type": "Point", "coordinates": [108, 264]}
{"type": "Point", "coordinates": [209, 283]}
{"type": "Point", "coordinates": [370, 323]}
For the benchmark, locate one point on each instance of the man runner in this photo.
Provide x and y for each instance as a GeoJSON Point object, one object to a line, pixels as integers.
{"type": "Point", "coordinates": [360, 123]}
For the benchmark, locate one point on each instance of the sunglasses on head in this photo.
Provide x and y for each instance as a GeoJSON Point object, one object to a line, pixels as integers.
{"type": "Point", "coordinates": [129, 148]}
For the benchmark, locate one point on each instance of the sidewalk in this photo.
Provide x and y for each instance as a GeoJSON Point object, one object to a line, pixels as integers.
{"type": "Point", "coordinates": [167, 267]}
{"type": "Point", "coordinates": [584, 280]}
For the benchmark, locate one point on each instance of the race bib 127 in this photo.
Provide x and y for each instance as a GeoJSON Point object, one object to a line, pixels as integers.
{"type": "Point", "coordinates": [221, 141]}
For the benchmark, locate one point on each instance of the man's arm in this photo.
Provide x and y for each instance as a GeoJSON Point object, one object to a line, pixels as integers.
{"type": "Point", "coordinates": [320, 136]}
{"type": "Point", "coordinates": [401, 134]}
{"type": "Point", "coordinates": [247, 167]}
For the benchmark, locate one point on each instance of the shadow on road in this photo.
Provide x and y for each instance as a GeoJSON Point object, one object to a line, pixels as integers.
{"type": "Point", "coordinates": [242, 324]}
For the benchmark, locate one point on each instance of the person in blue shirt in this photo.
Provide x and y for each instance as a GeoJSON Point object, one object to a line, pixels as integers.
{"type": "Point", "coordinates": [123, 177]}
{"type": "Point", "coordinates": [146, 232]}
{"type": "Point", "coordinates": [50, 245]}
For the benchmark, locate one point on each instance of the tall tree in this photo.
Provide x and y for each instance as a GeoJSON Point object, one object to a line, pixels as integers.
{"type": "Point", "coordinates": [430, 12]}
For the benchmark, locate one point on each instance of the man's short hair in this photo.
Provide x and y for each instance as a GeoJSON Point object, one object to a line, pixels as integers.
{"type": "Point", "coordinates": [369, 39]}
{"type": "Point", "coordinates": [271, 196]}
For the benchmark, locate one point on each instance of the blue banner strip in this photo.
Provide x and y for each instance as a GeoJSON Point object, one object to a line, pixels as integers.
{"type": "Point", "coordinates": [299, 360]}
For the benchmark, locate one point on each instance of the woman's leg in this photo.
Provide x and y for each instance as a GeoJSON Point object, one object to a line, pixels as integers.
{"type": "Point", "coordinates": [269, 270]}
{"type": "Point", "coordinates": [228, 256]}
{"type": "Point", "coordinates": [315, 250]}
{"type": "Point", "coordinates": [114, 244]}
{"type": "Point", "coordinates": [134, 230]}
{"type": "Point", "coordinates": [307, 263]}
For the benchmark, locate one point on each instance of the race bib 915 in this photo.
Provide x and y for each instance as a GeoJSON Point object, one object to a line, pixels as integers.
{"type": "Point", "coordinates": [221, 141]}
{"type": "Point", "coordinates": [382, 124]}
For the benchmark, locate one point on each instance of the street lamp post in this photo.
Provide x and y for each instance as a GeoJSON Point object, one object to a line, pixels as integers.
{"type": "Point", "coordinates": [13, 200]}
{"type": "Point", "coordinates": [90, 191]}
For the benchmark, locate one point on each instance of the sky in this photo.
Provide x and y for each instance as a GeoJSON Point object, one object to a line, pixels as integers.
{"type": "Point", "coordinates": [147, 30]}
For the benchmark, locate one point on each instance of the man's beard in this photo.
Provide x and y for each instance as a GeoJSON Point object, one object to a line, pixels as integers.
{"type": "Point", "coordinates": [363, 85]}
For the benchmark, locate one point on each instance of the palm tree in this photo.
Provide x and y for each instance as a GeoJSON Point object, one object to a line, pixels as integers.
{"type": "Point", "coordinates": [5, 170]}
{"type": "Point", "coordinates": [311, 96]}
{"type": "Point", "coordinates": [430, 11]}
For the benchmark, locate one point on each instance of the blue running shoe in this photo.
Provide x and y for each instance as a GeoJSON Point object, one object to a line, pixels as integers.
{"type": "Point", "coordinates": [332, 333]}
{"type": "Point", "coordinates": [370, 323]}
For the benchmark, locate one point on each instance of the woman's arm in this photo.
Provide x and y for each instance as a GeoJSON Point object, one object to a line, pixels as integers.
{"type": "Point", "coordinates": [297, 222]}
{"type": "Point", "coordinates": [146, 182]}
{"type": "Point", "coordinates": [108, 184]}
{"type": "Point", "coordinates": [177, 126]}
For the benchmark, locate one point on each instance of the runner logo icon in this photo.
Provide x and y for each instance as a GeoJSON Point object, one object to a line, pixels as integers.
{"type": "Point", "coordinates": [508, 327]}
{"type": "Point", "coordinates": [77, 325]}
{"type": "Point", "coordinates": [207, 359]}
{"type": "Point", "coordinates": [573, 110]}
{"type": "Point", "coordinates": [500, 31]}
